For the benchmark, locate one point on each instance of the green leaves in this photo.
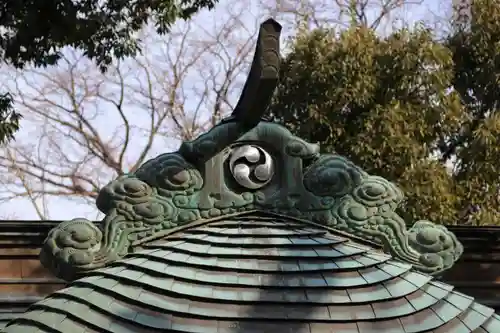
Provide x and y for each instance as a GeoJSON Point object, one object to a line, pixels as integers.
{"type": "Point", "coordinates": [9, 119]}
{"type": "Point", "coordinates": [35, 31]}
{"type": "Point", "coordinates": [399, 105]}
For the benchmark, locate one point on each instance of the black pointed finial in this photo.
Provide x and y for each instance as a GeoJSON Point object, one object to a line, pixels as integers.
{"type": "Point", "coordinates": [263, 77]}
{"type": "Point", "coordinates": [254, 100]}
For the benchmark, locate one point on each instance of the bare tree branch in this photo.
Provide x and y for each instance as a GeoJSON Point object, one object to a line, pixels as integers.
{"type": "Point", "coordinates": [83, 128]}
{"type": "Point", "coordinates": [380, 15]}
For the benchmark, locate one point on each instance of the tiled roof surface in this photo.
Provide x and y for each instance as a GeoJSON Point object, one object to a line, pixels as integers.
{"type": "Point", "coordinates": [13, 306]}
{"type": "Point", "coordinates": [257, 274]}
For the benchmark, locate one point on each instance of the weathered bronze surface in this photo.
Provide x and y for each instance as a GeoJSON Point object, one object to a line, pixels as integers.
{"type": "Point", "coordinates": [277, 173]}
{"type": "Point", "coordinates": [249, 229]}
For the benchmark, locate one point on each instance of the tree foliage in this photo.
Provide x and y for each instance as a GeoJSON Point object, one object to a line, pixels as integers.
{"type": "Point", "coordinates": [34, 33]}
{"type": "Point", "coordinates": [419, 111]}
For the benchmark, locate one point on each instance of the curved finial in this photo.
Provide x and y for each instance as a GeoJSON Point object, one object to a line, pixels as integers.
{"type": "Point", "coordinates": [255, 96]}
{"type": "Point", "coordinates": [263, 77]}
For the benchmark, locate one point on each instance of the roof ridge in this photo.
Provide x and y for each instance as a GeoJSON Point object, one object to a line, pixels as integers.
{"type": "Point", "coordinates": [255, 213]}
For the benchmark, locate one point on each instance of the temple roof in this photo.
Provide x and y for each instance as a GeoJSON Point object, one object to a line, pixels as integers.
{"type": "Point", "coordinates": [257, 272]}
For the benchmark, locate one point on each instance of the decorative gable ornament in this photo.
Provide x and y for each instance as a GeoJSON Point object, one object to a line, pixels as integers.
{"type": "Point", "coordinates": [244, 164]}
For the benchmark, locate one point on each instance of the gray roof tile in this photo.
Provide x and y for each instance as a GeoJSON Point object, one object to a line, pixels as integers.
{"type": "Point", "coordinates": [257, 275]}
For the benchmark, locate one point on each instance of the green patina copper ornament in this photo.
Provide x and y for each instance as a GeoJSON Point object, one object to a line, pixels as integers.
{"type": "Point", "coordinates": [245, 164]}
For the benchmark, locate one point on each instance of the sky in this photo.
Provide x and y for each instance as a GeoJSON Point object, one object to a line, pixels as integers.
{"type": "Point", "coordinates": [108, 124]}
